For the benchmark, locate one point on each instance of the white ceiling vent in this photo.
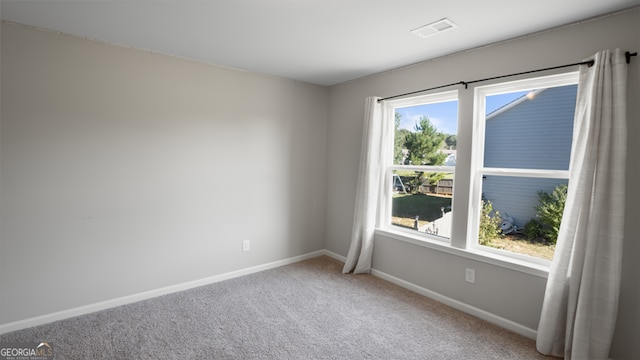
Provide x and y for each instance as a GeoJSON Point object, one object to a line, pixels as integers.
{"type": "Point", "coordinates": [434, 28]}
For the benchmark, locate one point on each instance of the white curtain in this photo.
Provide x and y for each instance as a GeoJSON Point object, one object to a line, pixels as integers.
{"type": "Point", "coordinates": [370, 180]}
{"type": "Point", "coordinates": [581, 298]}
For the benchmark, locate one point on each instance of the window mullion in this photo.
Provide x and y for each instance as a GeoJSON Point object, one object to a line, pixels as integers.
{"type": "Point", "coordinates": [423, 168]}
{"type": "Point", "coordinates": [536, 173]}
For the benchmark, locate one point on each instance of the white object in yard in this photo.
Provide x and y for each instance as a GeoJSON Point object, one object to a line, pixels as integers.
{"type": "Point", "coordinates": [507, 226]}
{"type": "Point", "coordinates": [440, 227]}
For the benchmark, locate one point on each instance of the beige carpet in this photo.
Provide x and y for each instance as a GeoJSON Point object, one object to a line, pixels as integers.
{"type": "Point", "coordinates": [307, 310]}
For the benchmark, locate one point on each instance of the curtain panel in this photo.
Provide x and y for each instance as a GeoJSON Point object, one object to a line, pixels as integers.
{"type": "Point", "coordinates": [581, 299]}
{"type": "Point", "coordinates": [370, 181]}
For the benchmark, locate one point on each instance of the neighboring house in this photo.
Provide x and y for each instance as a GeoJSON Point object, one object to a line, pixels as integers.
{"type": "Point", "coordinates": [514, 138]}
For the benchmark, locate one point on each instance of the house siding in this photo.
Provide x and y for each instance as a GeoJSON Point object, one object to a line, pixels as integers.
{"type": "Point", "coordinates": [516, 197]}
{"type": "Point", "coordinates": [534, 134]}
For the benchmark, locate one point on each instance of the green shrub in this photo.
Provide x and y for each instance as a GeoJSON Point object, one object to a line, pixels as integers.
{"type": "Point", "coordinates": [550, 211]}
{"type": "Point", "coordinates": [533, 229]}
{"type": "Point", "coordinates": [434, 178]}
{"type": "Point", "coordinates": [489, 224]}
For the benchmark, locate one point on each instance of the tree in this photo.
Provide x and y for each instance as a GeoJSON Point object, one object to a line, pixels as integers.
{"type": "Point", "coordinates": [451, 141]}
{"type": "Point", "coordinates": [423, 148]}
{"type": "Point", "coordinates": [400, 136]}
{"type": "Point", "coordinates": [424, 144]}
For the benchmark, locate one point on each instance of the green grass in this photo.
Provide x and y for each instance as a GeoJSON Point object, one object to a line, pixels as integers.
{"type": "Point", "coordinates": [427, 207]}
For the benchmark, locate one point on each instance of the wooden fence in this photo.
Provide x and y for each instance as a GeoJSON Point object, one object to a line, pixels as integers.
{"type": "Point", "coordinates": [443, 187]}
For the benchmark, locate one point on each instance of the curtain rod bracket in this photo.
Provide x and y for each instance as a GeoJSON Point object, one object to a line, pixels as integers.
{"type": "Point", "coordinates": [628, 55]}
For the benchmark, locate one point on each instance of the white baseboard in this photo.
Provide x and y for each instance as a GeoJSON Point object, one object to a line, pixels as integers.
{"type": "Point", "coordinates": [65, 314]}
{"type": "Point", "coordinates": [82, 310]}
{"type": "Point", "coordinates": [472, 310]}
{"type": "Point", "coordinates": [333, 255]}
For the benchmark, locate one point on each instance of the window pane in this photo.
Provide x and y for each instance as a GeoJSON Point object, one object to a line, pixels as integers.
{"type": "Point", "coordinates": [422, 201]}
{"type": "Point", "coordinates": [425, 130]}
{"type": "Point", "coordinates": [521, 214]}
{"type": "Point", "coordinates": [531, 130]}
{"type": "Point", "coordinates": [426, 134]}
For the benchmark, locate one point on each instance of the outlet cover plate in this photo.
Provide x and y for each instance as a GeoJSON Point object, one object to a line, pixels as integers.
{"type": "Point", "coordinates": [470, 275]}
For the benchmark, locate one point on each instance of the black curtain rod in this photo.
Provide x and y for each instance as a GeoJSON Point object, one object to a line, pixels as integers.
{"type": "Point", "coordinates": [589, 63]}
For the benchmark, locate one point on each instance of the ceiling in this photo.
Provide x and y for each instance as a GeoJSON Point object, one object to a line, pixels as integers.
{"type": "Point", "coordinates": [323, 42]}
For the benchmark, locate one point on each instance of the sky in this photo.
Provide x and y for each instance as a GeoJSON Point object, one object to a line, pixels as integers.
{"type": "Point", "coordinates": [444, 115]}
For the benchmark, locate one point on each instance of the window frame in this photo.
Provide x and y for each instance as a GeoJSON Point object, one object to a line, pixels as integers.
{"type": "Point", "coordinates": [386, 201]}
{"type": "Point", "coordinates": [478, 170]}
{"type": "Point", "coordinates": [464, 242]}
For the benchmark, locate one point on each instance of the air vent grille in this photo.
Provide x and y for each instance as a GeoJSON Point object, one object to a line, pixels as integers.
{"type": "Point", "coordinates": [434, 28]}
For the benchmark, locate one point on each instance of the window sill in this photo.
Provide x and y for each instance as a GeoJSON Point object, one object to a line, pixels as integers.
{"type": "Point", "coordinates": [473, 254]}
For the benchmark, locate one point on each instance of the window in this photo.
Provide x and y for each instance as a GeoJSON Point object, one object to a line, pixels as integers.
{"type": "Point", "coordinates": [422, 171]}
{"type": "Point", "coordinates": [517, 141]}
{"type": "Point", "coordinates": [520, 165]}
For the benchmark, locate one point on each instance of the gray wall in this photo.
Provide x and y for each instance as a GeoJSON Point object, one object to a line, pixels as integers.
{"type": "Point", "coordinates": [125, 171]}
{"type": "Point", "coordinates": [507, 293]}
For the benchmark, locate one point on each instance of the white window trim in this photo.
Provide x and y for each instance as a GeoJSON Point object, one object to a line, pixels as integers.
{"type": "Point", "coordinates": [469, 247]}
{"type": "Point", "coordinates": [386, 200]}
{"type": "Point", "coordinates": [477, 166]}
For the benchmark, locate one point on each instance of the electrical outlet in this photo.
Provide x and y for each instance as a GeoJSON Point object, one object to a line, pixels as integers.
{"type": "Point", "coordinates": [246, 245]}
{"type": "Point", "coordinates": [470, 275]}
